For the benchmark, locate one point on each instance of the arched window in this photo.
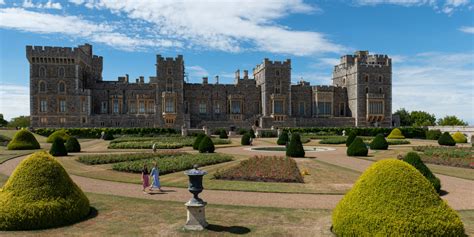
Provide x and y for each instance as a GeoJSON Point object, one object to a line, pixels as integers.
{"type": "Point", "coordinates": [42, 86]}
{"type": "Point", "coordinates": [62, 87]}
{"type": "Point", "coordinates": [277, 72]}
{"type": "Point", "coordinates": [344, 81]}
{"type": "Point", "coordinates": [366, 78]}
{"type": "Point", "coordinates": [367, 90]}
{"type": "Point", "coordinates": [61, 72]}
{"type": "Point", "coordinates": [380, 90]}
{"type": "Point", "coordinates": [42, 72]}
{"type": "Point", "coordinates": [169, 85]}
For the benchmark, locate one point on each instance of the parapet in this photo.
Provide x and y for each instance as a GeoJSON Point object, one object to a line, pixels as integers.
{"type": "Point", "coordinates": [324, 88]}
{"type": "Point", "coordinates": [161, 59]}
{"type": "Point", "coordinates": [268, 63]}
{"type": "Point", "coordinates": [364, 58]}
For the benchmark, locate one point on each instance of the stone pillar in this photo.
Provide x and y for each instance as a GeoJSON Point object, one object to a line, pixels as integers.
{"type": "Point", "coordinates": [279, 132]}
{"type": "Point", "coordinates": [196, 216]}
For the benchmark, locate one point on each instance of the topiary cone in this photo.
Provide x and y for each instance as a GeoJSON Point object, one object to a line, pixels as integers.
{"type": "Point", "coordinates": [414, 159]}
{"type": "Point", "coordinates": [446, 140]}
{"type": "Point", "coordinates": [206, 145]}
{"type": "Point", "coordinates": [295, 148]}
{"type": "Point", "coordinates": [60, 133]}
{"type": "Point", "coordinates": [72, 145]}
{"type": "Point", "coordinates": [459, 137]}
{"type": "Point", "coordinates": [58, 148]}
{"type": "Point", "coordinates": [283, 138]}
{"type": "Point", "coordinates": [396, 134]}
{"type": "Point", "coordinates": [40, 194]}
{"type": "Point", "coordinates": [198, 140]}
{"type": "Point", "coordinates": [245, 140]}
{"type": "Point", "coordinates": [391, 198]}
{"type": "Point", "coordinates": [357, 148]}
{"type": "Point", "coordinates": [350, 138]}
{"type": "Point", "coordinates": [379, 143]}
{"type": "Point", "coordinates": [23, 140]}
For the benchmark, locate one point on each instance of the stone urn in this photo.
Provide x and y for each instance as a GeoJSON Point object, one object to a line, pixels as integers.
{"type": "Point", "coordinates": [195, 183]}
{"type": "Point", "coordinates": [196, 218]}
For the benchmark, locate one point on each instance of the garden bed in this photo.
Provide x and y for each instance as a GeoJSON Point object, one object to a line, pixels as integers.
{"type": "Point", "coordinates": [264, 169]}
{"type": "Point", "coordinates": [114, 158]}
{"type": "Point", "coordinates": [451, 156]}
{"type": "Point", "coordinates": [168, 142]}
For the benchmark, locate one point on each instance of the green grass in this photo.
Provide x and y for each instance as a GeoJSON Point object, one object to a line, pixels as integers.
{"type": "Point", "coordinates": [11, 133]}
{"type": "Point", "coordinates": [165, 142]}
{"type": "Point", "coordinates": [6, 154]}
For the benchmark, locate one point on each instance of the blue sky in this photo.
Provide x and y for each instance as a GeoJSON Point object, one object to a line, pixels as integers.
{"type": "Point", "coordinates": [431, 42]}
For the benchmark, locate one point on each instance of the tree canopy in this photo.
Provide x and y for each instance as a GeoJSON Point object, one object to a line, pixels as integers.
{"type": "Point", "coordinates": [451, 121]}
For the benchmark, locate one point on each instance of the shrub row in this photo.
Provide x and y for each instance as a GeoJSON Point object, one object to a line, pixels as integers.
{"type": "Point", "coordinates": [334, 140]}
{"type": "Point", "coordinates": [115, 158]}
{"type": "Point", "coordinates": [408, 132]}
{"type": "Point", "coordinates": [171, 164]}
{"type": "Point", "coordinates": [96, 132]}
{"type": "Point", "coordinates": [163, 142]}
{"type": "Point", "coordinates": [263, 169]}
{"type": "Point", "coordinates": [144, 145]}
{"type": "Point", "coordinates": [398, 141]}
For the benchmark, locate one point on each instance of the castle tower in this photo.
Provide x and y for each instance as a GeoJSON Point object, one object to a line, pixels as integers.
{"type": "Point", "coordinates": [368, 79]}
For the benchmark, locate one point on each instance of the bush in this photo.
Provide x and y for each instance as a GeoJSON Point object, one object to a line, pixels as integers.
{"type": "Point", "coordinates": [350, 138]}
{"type": "Point", "coordinates": [58, 148]}
{"type": "Point", "coordinates": [379, 143]}
{"type": "Point", "coordinates": [4, 140]}
{"type": "Point", "coordinates": [295, 148]}
{"type": "Point", "coordinates": [414, 159]}
{"type": "Point", "coordinates": [396, 134]}
{"type": "Point", "coordinates": [333, 140]}
{"type": "Point", "coordinates": [96, 132]}
{"type": "Point", "coordinates": [198, 140]}
{"type": "Point", "coordinates": [40, 194]}
{"type": "Point", "coordinates": [60, 133]}
{"type": "Point", "coordinates": [251, 133]}
{"type": "Point", "coordinates": [391, 198]}
{"type": "Point", "coordinates": [433, 134]}
{"type": "Point", "coordinates": [459, 137]}
{"type": "Point", "coordinates": [245, 140]}
{"type": "Point", "coordinates": [108, 136]}
{"type": "Point", "coordinates": [115, 158]}
{"type": "Point", "coordinates": [446, 140]}
{"type": "Point", "coordinates": [23, 140]}
{"type": "Point", "coordinates": [283, 138]}
{"type": "Point", "coordinates": [206, 145]}
{"type": "Point", "coordinates": [223, 134]}
{"type": "Point", "coordinates": [72, 145]}
{"type": "Point", "coordinates": [357, 148]}
{"type": "Point", "coordinates": [398, 142]}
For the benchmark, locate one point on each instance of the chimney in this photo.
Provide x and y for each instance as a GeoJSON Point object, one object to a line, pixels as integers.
{"type": "Point", "coordinates": [142, 79]}
{"type": "Point", "coordinates": [246, 74]}
{"type": "Point", "coordinates": [136, 80]}
{"type": "Point", "coordinates": [237, 75]}
{"type": "Point", "coordinates": [217, 79]}
{"type": "Point", "coordinates": [204, 80]}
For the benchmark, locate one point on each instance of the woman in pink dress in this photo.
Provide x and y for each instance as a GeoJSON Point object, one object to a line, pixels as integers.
{"type": "Point", "coordinates": [145, 177]}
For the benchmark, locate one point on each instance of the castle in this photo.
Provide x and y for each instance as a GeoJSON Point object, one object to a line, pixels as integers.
{"type": "Point", "coordinates": [67, 90]}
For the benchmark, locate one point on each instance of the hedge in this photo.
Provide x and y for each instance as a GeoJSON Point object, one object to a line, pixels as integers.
{"type": "Point", "coordinates": [333, 140]}
{"type": "Point", "coordinates": [379, 143]}
{"type": "Point", "coordinates": [396, 134]}
{"type": "Point", "coordinates": [409, 132]}
{"type": "Point", "coordinates": [96, 132]}
{"type": "Point", "coordinates": [283, 138]}
{"type": "Point", "coordinates": [206, 145]}
{"type": "Point", "coordinates": [433, 134]}
{"type": "Point", "coordinates": [40, 194]}
{"type": "Point", "coordinates": [391, 198]}
{"type": "Point", "coordinates": [58, 134]}
{"type": "Point", "coordinates": [245, 140]}
{"type": "Point", "coordinates": [357, 148]}
{"type": "Point", "coordinates": [459, 137]}
{"type": "Point", "coordinates": [115, 158]}
{"type": "Point", "coordinates": [414, 159]}
{"type": "Point", "coordinates": [223, 134]}
{"type": "Point", "coordinates": [23, 140]}
{"type": "Point", "coordinates": [446, 140]}
{"type": "Point", "coordinates": [295, 147]}
{"type": "Point", "coordinates": [58, 148]}
{"type": "Point", "coordinates": [198, 140]}
{"type": "Point", "coordinates": [72, 145]}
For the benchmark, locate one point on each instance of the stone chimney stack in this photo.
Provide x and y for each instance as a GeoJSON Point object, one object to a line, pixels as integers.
{"type": "Point", "coordinates": [217, 79]}
{"type": "Point", "coordinates": [246, 74]}
{"type": "Point", "coordinates": [204, 80]}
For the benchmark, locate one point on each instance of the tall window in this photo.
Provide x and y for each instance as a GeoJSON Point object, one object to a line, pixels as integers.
{"type": "Point", "coordinates": [235, 107]}
{"type": "Point", "coordinates": [42, 86]}
{"type": "Point", "coordinates": [62, 120]}
{"type": "Point", "coordinates": [277, 72]}
{"type": "Point", "coordinates": [150, 107]}
{"type": "Point", "coordinates": [116, 106]}
{"type": "Point", "coordinates": [380, 78]}
{"type": "Point", "coordinates": [62, 87]}
{"type": "Point", "coordinates": [324, 108]}
{"type": "Point", "coordinates": [43, 106]}
{"type": "Point", "coordinates": [62, 106]}
{"type": "Point", "coordinates": [217, 108]}
{"type": "Point", "coordinates": [277, 87]}
{"type": "Point", "coordinates": [366, 78]}
{"type": "Point", "coordinates": [169, 105]}
{"type": "Point", "coordinates": [42, 72]}
{"type": "Point", "coordinates": [202, 108]}
{"type": "Point", "coordinates": [169, 85]}
{"type": "Point", "coordinates": [301, 107]}
{"type": "Point", "coordinates": [61, 72]}
{"type": "Point", "coordinates": [380, 90]}
{"type": "Point", "coordinates": [375, 107]}
{"type": "Point", "coordinates": [278, 107]}
{"type": "Point", "coordinates": [366, 90]}
{"type": "Point", "coordinates": [103, 107]}
{"type": "Point", "coordinates": [141, 107]}
{"type": "Point", "coordinates": [132, 107]}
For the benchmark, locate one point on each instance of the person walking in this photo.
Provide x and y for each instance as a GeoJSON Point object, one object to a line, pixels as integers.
{"type": "Point", "coordinates": [155, 178]}
{"type": "Point", "coordinates": [145, 178]}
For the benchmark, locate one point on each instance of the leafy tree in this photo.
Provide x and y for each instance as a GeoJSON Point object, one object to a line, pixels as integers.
{"type": "Point", "coordinates": [405, 119]}
{"type": "Point", "coordinates": [422, 118]}
{"type": "Point", "coordinates": [22, 121]}
{"type": "Point", "coordinates": [451, 121]}
{"type": "Point", "coordinates": [3, 122]}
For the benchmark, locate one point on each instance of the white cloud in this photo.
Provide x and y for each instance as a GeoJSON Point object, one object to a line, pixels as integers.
{"type": "Point", "coordinates": [467, 29]}
{"type": "Point", "coordinates": [2, 2]}
{"type": "Point", "coordinates": [195, 73]}
{"type": "Point", "coordinates": [14, 100]}
{"type": "Point", "coordinates": [48, 5]}
{"type": "Point", "coordinates": [445, 6]}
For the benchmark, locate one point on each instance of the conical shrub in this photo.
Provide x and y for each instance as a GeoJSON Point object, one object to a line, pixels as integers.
{"type": "Point", "coordinates": [379, 143]}
{"type": "Point", "coordinates": [414, 159]}
{"type": "Point", "coordinates": [396, 134]}
{"type": "Point", "coordinates": [198, 140]}
{"type": "Point", "coordinates": [23, 140]}
{"type": "Point", "coordinates": [223, 134]}
{"type": "Point", "coordinates": [251, 133]}
{"type": "Point", "coordinates": [446, 140]}
{"type": "Point", "coordinates": [459, 137]}
{"type": "Point", "coordinates": [350, 138]}
{"type": "Point", "coordinates": [357, 148]}
{"type": "Point", "coordinates": [40, 194]}
{"type": "Point", "coordinates": [58, 148]}
{"type": "Point", "coordinates": [206, 145]}
{"type": "Point", "coordinates": [391, 198]}
{"type": "Point", "coordinates": [72, 145]}
{"type": "Point", "coordinates": [245, 140]}
{"type": "Point", "coordinates": [295, 148]}
{"type": "Point", "coordinates": [60, 133]}
{"type": "Point", "coordinates": [283, 138]}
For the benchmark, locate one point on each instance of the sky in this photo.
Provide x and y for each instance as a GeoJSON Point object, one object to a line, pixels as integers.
{"type": "Point", "coordinates": [431, 42]}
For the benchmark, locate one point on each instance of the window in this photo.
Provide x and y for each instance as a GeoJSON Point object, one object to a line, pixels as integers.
{"type": "Point", "coordinates": [116, 106]}
{"type": "Point", "coordinates": [277, 87]}
{"type": "Point", "coordinates": [150, 107]}
{"type": "Point", "coordinates": [103, 107]}
{"type": "Point", "coordinates": [61, 72]}
{"type": "Point", "coordinates": [324, 108]}
{"type": "Point", "coordinates": [169, 105]}
{"type": "Point", "coordinates": [366, 78]}
{"type": "Point", "coordinates": [43, 106]}
{"type": "Point", "coordinates": [235, 107]}
{"type": "Point", "coordinates": [169, 71]}
{"type": "Point", "coordinates": [217, 108]}
{"type": "Point", "coordinates": [42, 72]}
{"type": "Point", "coordinates": [44, 120]}
{"type": "Point", "coordinates": [62, 120]}
{"type": "Point", "coordinates": [169, 85]}
{"type": "Point", "coordinates": [277, 72]}
{"type": "Point", "coordinates": [380, 90]}
{"type": "Point", "coordinates": [301, 107]}
{"type": "Point", "coordinates": [42, 86]}
{"type": "Point", "coordinates": [141, 107]}
{"type": "Point", "coordinates": [342, 109]}
{"type": "Point", "coordinates": [375, 107]}
{"type": "Point", "coordinates": [62, 106]}
{"type": "Point", "coordinates": [278, 107]}
{"type": "Point", "coordinates": [102, 124]}
{"type": "Point", "coordinates": [83, 105]}
{"type": "Point", "coordinates": [380, 79]}
{"type": "Point", "coordinates": [202, 108]}
{"type": "Point", "coordinates": [366, 90]}
{"type": "Point", "coordinates": [132, 107]}
{"type": "Point", "coordinates": [344, 81]}
{"type": "Point", "coordinates": [62, 87]}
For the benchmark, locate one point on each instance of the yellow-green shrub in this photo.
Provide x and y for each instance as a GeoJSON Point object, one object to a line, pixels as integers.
{"type": "Point", "coordinates": [60, 133]}
{"type": "Point", "coordinates": [459, 137]}
{"type": "Point", "coordinates": [40, 194]}
{"type": "Point", "coordinates": [392, 198]}
{"type": "Point", "coordinates": [23, 140]}
{"type": "Point", "coordinates": [396, 134]}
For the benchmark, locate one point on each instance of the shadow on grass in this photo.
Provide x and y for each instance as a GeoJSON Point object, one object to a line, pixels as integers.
{"type": "Point", "coordinates": [230, 229]}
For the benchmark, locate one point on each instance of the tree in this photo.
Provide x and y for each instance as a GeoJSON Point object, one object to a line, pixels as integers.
{"type": "Point", "coordinates": [451, 121]}
{"type": "Point", "coordinates": [22, 122]}
{"type": "Point", "coordinates": [422, 118]}
{"type": "Point", "coordinates": [405, 119]}
{"type": "Point", "coordinates": [3, 122]}
{"type": "Point", "coordinates": [295, 148]}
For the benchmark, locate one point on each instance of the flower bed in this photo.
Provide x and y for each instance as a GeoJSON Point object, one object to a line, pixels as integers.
{"type": "Point", "coordinates": [172, 163]}
{"type": "Point", "coordinates": [397, 141]}
{"type": "Point", "coordinates": [168, 142]}
{"type": "Point", "coordinates": [334, 140]}
{"type": "Point", "coordinates": [264, 169]}
{"type": "Point", "coordinates": [451, 156]}
{"type": "Point", "coordinates": [114, 158]}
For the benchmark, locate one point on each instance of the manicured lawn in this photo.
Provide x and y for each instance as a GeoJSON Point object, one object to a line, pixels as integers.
{"type": "Point", "coordinates": [164, 142]}
{"type": "Point", "coordinates": [11, 133]}
{"type": "Point", "coordinates": [6, 154]}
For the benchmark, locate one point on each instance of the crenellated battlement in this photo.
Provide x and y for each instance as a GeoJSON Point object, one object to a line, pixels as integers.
{"type": "Point", "coordinates": [161, 59]}
{"type": "Point", "coordinates": [363, 58]}
{"type": "Point", "coordinates": [268, 63]}
{"type": "Point", "coordinates": [323, 88]}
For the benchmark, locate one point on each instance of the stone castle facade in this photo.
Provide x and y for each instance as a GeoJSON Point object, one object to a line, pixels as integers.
{"type": "Point", "coordinates": [67, 90]}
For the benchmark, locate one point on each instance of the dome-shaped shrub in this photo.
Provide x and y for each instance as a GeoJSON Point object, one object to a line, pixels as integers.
{"type": "Point", "coordinates": [283, 138]}
{"type": "Point", "coordinates": [58, 148]}
{"type": "Point", "coordinates": [23, 140]}
{"type": "Point", "coordinates": [414, 159]}
{"type": "Point", "coordinates": [446, 140]}
{"type": "Point", "coordinates": [223, 134]}
{"type": "Point", "coordinates": [379, 143]}
{"type": "Point", "coordinates": [396, 134]}
{"type": "Point", "coordinates": [198, 140]}
{"type": "Point", "coordinates": [40, 194]}
{"type": "Point", "coordinates": [72, 145]}
{"type": "Point", "coordinates": [357, 148]}
{"type": "Point", "coordinates": [60, 133]}
{"type": "Point", "coordinates": [295, 148]}
{"type": "Point", "coordinates": [108, 136]}
{"type": "Point", "coordinates": [206, 145]}
{"type": "Point", "coordinates": [391, 198]}
{"type": "Point", "coordinates": [459, 137]}
{"type": "Point", "coordinates": [350, 138]}
{"type": "Point", "coordinates": [245, 140]}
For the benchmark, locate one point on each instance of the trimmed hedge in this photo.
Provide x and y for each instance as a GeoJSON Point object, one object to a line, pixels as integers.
{"type": "Point", "coordinates": [115, 158]}
{"type": "Point", "coordinates": [414, 159]}
{"type": "Point", "coordinates": [283, 138]}
{"type": "Point", "coordinates": [409, 132]}
{"type": "Point", "coordinates": [96, 132]}
{"type": "Point", "coordinates": [72, 145]}
{"type": "Point", "coordinates": [295, 148]}
{"type": "Point", "coordinates": [223, 134]}
{"type": "Point", "coordinates": [59, 133]}
{"type": "Point", "coordinates": [446, 140]}
{"type": "Point", "coordinates": [40, 194]}
{"type": "Point", "coordinates": [459, 137]}
{"type": "Point", "coordinates": [198, 140]}
{"type": "Point", "coordinates": [58, 148]}
{"type": "Point", "coordinates": [433, 134]}
{"type": "Point", "coordinates": [333, 140]}
{"type": "Point", "coordinates": [245, 140]}
{"type": "Point", "coordinates": [398, 142]}
{"type": "Point", "coordinates": [350, 138]}
{"type": "Point", "coordinates": [379, 143]}
{"type": "Point", "coordinates": [396, 134]}
{"type": "Point", "coordinates": [391, 198]}
{"type": "Point", "coordinates": [108, 136]}
{"type": "Point", "coordinates": [206, 145]}
{"type": "Point", "coordinates": [23, 140]}
{"type": "Point", "coordinates": [357, 148]}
